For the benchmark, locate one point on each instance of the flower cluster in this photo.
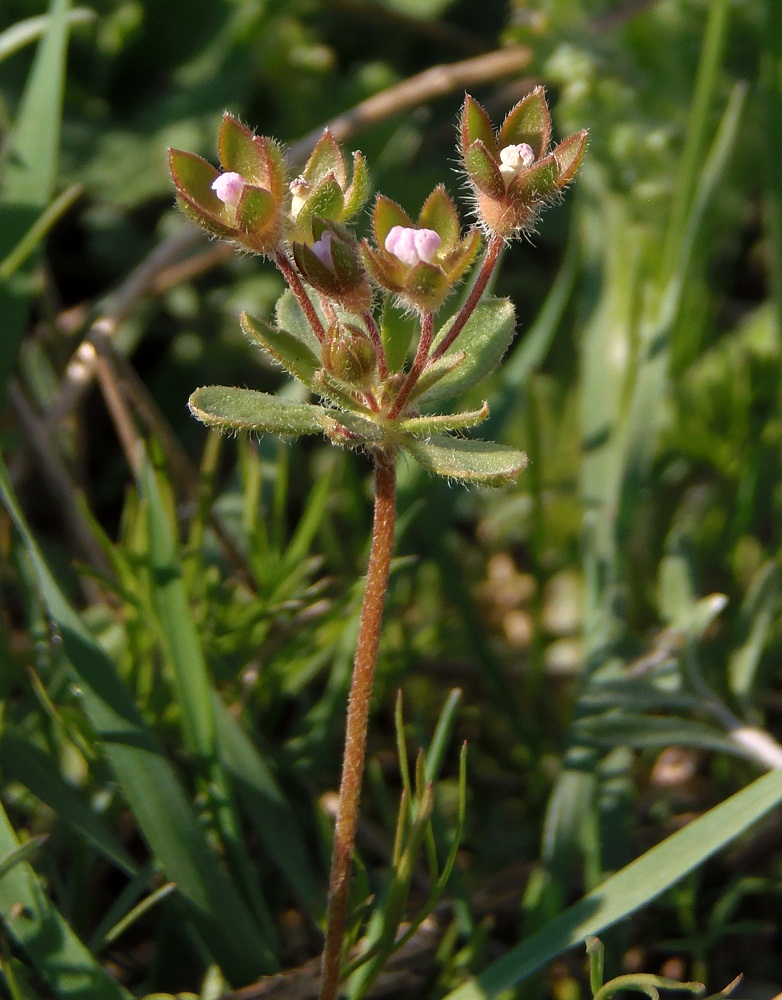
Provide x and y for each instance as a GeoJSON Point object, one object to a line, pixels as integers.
{"type": "Point", "coordinates": [372, 377]}
{"type": "Point", "coordinates": [511, 173]}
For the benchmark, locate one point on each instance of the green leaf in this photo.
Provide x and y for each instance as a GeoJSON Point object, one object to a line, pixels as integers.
{"type": "Point", "coordinates": [290, 317]}
{"type": "Point", "coordinates": [472, 461]}
{"type": "Point", "coordinates": [295, 355]}
{"type": "Point", "coordinates": [31, 28]}
{"type": "Point", "coordinates": [439, 213]}
{"type": "Point", "coordinates": [325, 201]}
{"type": "Point", "coordinates": [148, 783]}
{"type": "Point", "coordinates": [609, 730]}
{"type": "Point", "coordinates": [230, 408]}
{"type": "Point", "coordinates": [475, 125]}
{"type": "Point", "coordinates": [193, 176]}
{"type": "Point", "coordinates": [358, 191]}
{"type": "Point", "coordinates": [528, 122]}
{"type": "Point", "coordinates": [29, 169]}
{"type": "Point", "coordinates": [242, 152]}
{"type": "Point", "coordinates": [179, 635]}
{"type": "Point", "coordinates": [444, 422]}
{"type": "Point", "coordinates": [36, 233]}
{"type": "Point", "coordinates": [541, 180]}
{"type": "Point", "coordinates": [26, 763]}
{"type": "Point", "coordinates": [21, 853]}
{"type": "Point", "coordinates": [256, 207]}
{"type": "Point", "coordinates": [630, 889]}
{"type": "Point", "coordinates": [486, 337]}
{"type": "Point", "coordinates": [326, 158]}
{"type": "Point", "coordinates": [275, 822]}
{"type": "Point", "coordinates": [484, 171]}
{"type": "Point", "coordinates": [386, 215]}
{"type": "Point", "coordinates": [43, 934]}
{"type": "Point", "coordinates": [437, 371]}
{"type": "Point", "coordinates": [568, 155]}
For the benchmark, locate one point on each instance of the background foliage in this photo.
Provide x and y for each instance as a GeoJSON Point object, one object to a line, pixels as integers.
{"type": "Point", "coordinates": [177, 625]}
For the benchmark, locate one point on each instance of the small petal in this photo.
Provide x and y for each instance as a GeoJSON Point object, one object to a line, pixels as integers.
{"type": "Point", "coordinates": [228, 187]}
{"type": "Point", "coordinates": [514, 159]}
{"type": "Point", "coordinates": [322, 249]}
{"type": "Point", "coordinates": [427, 243]}
{"type": "Point", "coordinates": [300, 187]}
{"type": "Point", "coordinates": [401, 243]}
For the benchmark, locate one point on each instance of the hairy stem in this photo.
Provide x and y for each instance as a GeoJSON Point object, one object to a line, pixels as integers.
{"type": "Point", "coordinates": [490, 259]}
{"type": "Point", "coordinates": [358, 719]}
{"type": "Point", "coordinates": [294, 282]}
{"type": "Point", "coordinates": [374, 334]}
{"type": "Point", "coordinates": [418, 365]}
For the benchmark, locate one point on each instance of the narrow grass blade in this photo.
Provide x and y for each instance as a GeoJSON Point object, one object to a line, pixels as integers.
{"type": "Point", "coordinates": [178, 632]}
{"type": "Point", "coordinates": [22, 853]}
{"type": "Point", "coordinates": [31, 28]}
{"type": "Point", "coordinates": [45, 936]}
{"type": "Point", "coordinates": [26, 763]}
{"type": "Point", "coordinates": [29, 171]}
{"type": "Point", "coordinates": [630, 889]}
{"type": "Point", "coordinates": [32, 238]}
{"type": "Point", "coordinates": [771, 62]}
{"type": "Point", "coordinates": [266, 806]}
{"type": "Point", "coordinates": [149, 784]}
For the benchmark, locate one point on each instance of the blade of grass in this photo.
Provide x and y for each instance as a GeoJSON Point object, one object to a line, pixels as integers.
{"type": "Point", "coordinates": [194, 691]}
{"type": "Point", "coordinates": [264, 803]}
{"type": "Point", "coordinates": [697, 135]}
{"type": "Point", "coordinates": [45, 936]}
{"type": "Point", "coordinates": [32, 238]}
{"type": "Point", "coordinates": [149, 784]}
{"type": "Point", "coordinates": [22, 853]}
{"type": "Point", "coordinates": [31, 28]}
{"type": "Point", "coordinates": [26, 763]}
{"type": "Point", "coordinates": [633, 887]}
{"type": "Point", "coordinates": [29, 172]}
{"type": "Point", "coordinates": [177, 629]}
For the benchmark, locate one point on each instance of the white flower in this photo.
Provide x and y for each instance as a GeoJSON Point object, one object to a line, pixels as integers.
{"type": "Point", "coordinates": [514, 159]}
{"type": "Point", "coordinates": [299, 188]}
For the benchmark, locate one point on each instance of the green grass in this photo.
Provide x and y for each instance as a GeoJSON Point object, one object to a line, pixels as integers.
{"type": "Point", "coordinates": [178, 613]}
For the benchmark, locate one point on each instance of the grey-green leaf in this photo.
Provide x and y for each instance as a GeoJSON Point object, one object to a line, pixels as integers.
{"type": "Point", "coordinates": [444, 422]}
{"type": "Point", "coordinates": [472, 461]}
{"type": "Point", "coordinates": [486, 337]}
{"type": "Point", "coordinates": [232, 409]}
{"type": "Point", "coordinates": [290, 317]}
{"type": "Point", "coordinates": [293, 352]}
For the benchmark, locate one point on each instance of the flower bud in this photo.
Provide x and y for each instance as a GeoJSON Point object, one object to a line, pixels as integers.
{"type": "Point", "coordinates": [421, 263]}
{"type": "Point", "coordinates": [349, 355]}
{"type": "Point", "coordinates": [244, 202]}
{"type": "Point", "coordinates": [511, 173]}
{"type": "Point", "coordinates": [331, 264]}
{"type": "Point", "coordinates": [322, 189]}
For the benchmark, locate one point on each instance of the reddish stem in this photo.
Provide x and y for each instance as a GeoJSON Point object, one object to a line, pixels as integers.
{"type": "Point", "coordinates": [294, 281]}
{"type": "Point", "coordinates": [490, 259]}
{"type": "Point", "coordinates": [418, 365]}
{"type": "Point", "coordinates": [358, 720]}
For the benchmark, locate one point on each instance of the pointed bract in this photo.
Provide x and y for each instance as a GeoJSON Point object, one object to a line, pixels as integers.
{"type": "Point", "coordinates": [529, 121]}
{"type": "Point", "coordinates": [475, 126]}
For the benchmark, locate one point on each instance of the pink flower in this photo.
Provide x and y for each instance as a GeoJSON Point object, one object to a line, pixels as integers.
{"type": "Point", "coordinates": [412, 246]}
{"type": "Point", "coordinates": [228, 187]}
{"type": "Point", "coordinates": [322, 249]}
